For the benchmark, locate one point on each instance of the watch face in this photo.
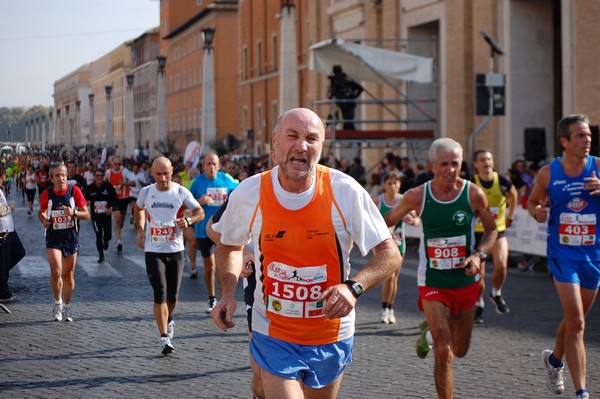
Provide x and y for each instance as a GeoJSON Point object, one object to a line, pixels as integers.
{"type": "Point", "coordinates": [357, 288]}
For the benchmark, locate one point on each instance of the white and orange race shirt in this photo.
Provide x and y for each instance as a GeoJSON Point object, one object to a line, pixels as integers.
{"type": "Point", "coordinates": [302, 246]}
{"type": "Point", "coordinates": [118, 180]}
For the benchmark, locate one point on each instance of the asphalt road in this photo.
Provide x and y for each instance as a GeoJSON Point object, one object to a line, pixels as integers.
{"type": "Point", "coordinates": [111, 350]}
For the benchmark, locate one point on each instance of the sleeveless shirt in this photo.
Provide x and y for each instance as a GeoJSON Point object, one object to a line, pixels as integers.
{"type": "Point", "coordinates": [446, 241]}
{"type": "Point", "coordinates": [573, 214]}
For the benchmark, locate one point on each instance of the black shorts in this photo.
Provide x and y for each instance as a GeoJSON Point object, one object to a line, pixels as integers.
{"type": "Point", "coordinates": [122, 205]}
{"type": "Point", "coordinates": [205, 246]}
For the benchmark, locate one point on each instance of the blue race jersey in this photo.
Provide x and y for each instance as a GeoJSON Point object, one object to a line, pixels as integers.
{"type": "Point", "coordinates": [573, 214]}
{"type": "Point", "coordinates": [219, 189]}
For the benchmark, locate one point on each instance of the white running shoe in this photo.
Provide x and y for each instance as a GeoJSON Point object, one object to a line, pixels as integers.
{"type": "Point", "coordinates": [68, 312]}
{"type": "Point", "coordinates": [555, 380]}
{"type": "Point", "coordinates": [392, 318]}
{"type": "Point", "coordinates": [58, 312]}
{"type": "Point", "coordinates": [584, 395]}
{"type": "Point", "coordinates": [166, 346]}
{"type": "Point", "coordinates": [385, 315]}
{"type": "Point", "coordinates": [171, 329]}
{"type": "Point", "coordinates": [211, 305]}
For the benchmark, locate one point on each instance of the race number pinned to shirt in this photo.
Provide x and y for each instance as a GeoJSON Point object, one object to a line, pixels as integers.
{"type": "Point", "coordinates": [294, 291]}
{"type": "Point", "coordinates": [447, 253]}
{"type": "Point", "coordinates": [577, 229]}
{"type": "Point", "coordinates": [100, 206]}
{"type": "Point", "coordinates": [162, 231]}
{"type": "Point", "coordinates": [397, 236]}
{"type": "Point", "coordinates": [218, 194]}
{"type": "Point", "coordinates": [60, 220]}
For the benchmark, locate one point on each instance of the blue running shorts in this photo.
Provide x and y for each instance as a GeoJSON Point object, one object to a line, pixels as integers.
{"type": "Point", "coordinates": [316, 365]}
{"type": "Point", "coordinates": [584, 273]}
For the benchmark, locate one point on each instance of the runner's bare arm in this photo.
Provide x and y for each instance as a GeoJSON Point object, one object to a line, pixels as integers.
{"type": "Point", "coordinates": [536, 204]}
{"type": "Point", "coordinates": [410, 202]}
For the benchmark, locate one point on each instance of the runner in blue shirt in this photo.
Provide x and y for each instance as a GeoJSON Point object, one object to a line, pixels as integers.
{"type": "Point", "coordinates": [211, 188]}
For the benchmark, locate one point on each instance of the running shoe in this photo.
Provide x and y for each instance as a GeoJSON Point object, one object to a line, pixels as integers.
{"type": "Point", "coordinates": [385, 316]}
{"type": "Point", "coordinates": [555, 380]}
{"type": "Point", "coordinates": [119, 247]}
{"type": "Point", "coordinates": [105, 246]}
{"type": "Point", "coordinates": [212, 302]}
{"type": "Point", "coordinates": [392, 319]}
{"type": "Point", "coordinates": [501, 306]}
{"type": "Point", "coordinates": [194, 274]}
{"type": "Point", "coordinates": [58, 311]}
{"type": "Point", "coordinates": [11, 298]}
{"type": "Point", "coordinates": [166, 346]}
{"type": "Point", "coordinates": [584, 395]}
{"type": "Point", "coordinates": [478, 314]}
{"type": "Point", "coordinates": [423, 346]}
{"type": "Point", "coordinates": [68, 314]}
{"type": "Point", "coordinates": [171, 329]}
{"type": "Point", "coordinates": [101, 259]}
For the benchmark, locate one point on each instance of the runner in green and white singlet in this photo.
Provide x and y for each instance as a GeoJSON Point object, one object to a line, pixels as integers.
{"type": "Point", "coordinates": [449, 263]}
{"type": "Point", "coordinates": [447, 240]}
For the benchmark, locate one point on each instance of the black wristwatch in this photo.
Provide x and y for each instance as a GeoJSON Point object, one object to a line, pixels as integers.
{"type": "Point", "coordinates": [188, 220]}
{"type": "Point", "coordinates": [482, 255]}
{"type": "Point", "coordinates": [355, 288]}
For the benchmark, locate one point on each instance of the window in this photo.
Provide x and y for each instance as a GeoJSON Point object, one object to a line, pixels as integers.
{"type": "Point", "coordinates": [244, 63]}
{"type": "Point", "coordinates": [258, 57]}
{"type": "Point", "coordinates": [274, 53]}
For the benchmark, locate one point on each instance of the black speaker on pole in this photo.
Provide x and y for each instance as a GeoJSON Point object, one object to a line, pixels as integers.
{"type": "Point", "coordinates": [535, 144]}
{"type": "Point", "coordinates": [595, 150]}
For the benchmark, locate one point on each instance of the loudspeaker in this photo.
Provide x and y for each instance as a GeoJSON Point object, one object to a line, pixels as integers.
{"type": "Point", "coordinates": [595, 150]}
{"type": "Point", "coordinates": [482, 97]}
{"type": "Point", "coordinates": [535, 144]}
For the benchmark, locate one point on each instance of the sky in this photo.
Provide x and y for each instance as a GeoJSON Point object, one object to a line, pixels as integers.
{"type": "Point", "coordinates": [42, 41]}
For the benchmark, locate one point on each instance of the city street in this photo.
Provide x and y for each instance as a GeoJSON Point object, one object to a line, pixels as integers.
{"type": "Point", "coordinates": [111, 349]}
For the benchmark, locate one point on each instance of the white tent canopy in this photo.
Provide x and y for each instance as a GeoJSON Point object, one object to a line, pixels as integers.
{"type": "Point", "coordinates": [368, 63]}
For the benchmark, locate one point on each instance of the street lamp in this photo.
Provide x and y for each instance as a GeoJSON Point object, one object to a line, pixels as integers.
{"type": "Point", "coordinates": [208, 35]}
{"type": "Point", "coordinates": [129, 139]}
{"type": "Point", "coordinates": [161, 101]}
{"type": "Point", "coordinates": [108, 138]}
{"type": "Point", "coordinates": [162, 61]}
{"type": "Point", "coordinates": [208, 134]}
{"type": "Point", "coordinates": [92, 134]}
{"type": "Point", "coordinates": [129, 80]}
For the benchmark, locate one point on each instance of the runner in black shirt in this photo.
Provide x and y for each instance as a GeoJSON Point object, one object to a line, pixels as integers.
{"type": "Point", "coordinates": [102, 198]}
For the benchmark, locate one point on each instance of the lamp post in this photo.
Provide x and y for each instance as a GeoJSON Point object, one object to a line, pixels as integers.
{"type": "Point", "coordinates": [43, 135]}
{"type": "Point", "coordinates": [92, 126]}
{"type": "Point", "coordinates": [78, 116]}
{"type": "Point", "coordinates": [288, 60]}
{"type": "Point", "coordinates": [161, 101]}
{"type": "Point", "coordinates": [129, 117]}
{"type": "Point", "coordinates": [209, 125]}
{"type": "Point", "coordinates": [57, 128]}
{"type": "Point", "coordinates": [108, 125]}
{"type": "Point", "coordinates": [68, 133]}
{"type": "Point", "coordinates": [50, 126]}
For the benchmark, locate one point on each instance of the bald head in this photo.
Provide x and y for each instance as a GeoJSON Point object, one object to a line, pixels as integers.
{"type": "Point", "coordinates": [304, 116]}
{"type": "Point", "coordinates": [162, 171]}
{"type": "Point", "coordinates": [161, 162]}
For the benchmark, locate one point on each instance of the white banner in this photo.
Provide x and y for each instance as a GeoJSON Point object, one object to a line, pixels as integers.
{"type": "Point", "coordinates": [525, 235]}
{"type": "Point", "coordinates": [192, 153]}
